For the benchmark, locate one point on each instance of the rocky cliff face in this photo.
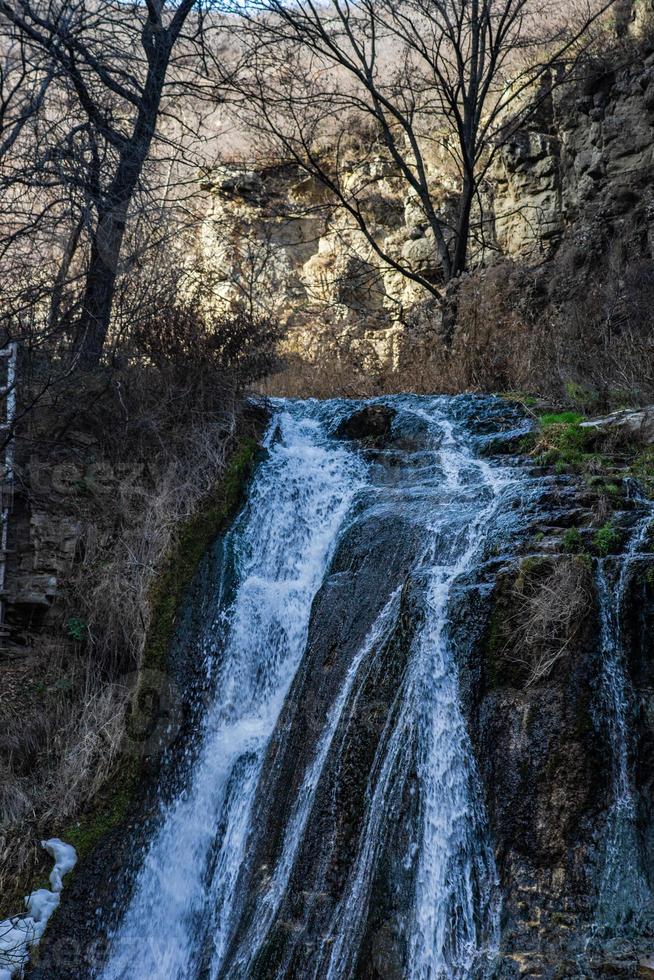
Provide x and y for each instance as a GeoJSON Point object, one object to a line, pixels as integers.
{"type": "Point", "coordinates": [581, 174]}
{"type": "Point", "coordinates": [592, 166]}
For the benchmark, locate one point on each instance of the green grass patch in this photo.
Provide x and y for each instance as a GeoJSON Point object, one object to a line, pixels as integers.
{"type": "Point", "coordinates": [561, 418]}
{"type": "Point", "coordinates": [519, 396]}
{"type": "Point", "coordinates": [563, 444]}
{"type": "Point", "coordinates": [76, 629]}
{"type": "Point", "coordinates": [580, 394]}
{"type": "Point", "coordinates": [572, 541]}
{"type": "Point", "coordinates": [606, 539]}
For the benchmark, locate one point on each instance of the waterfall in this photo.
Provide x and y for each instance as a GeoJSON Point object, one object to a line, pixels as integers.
{"type": "Point", "coordinates": [624, 894]}
{"type": "Point", "coordinates": [282, 544]}
{"type": "Point", "coordinates": [337, 680]}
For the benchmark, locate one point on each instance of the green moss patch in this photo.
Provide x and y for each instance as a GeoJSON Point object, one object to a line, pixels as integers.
{"type": "Point", "coordinates": [109, 810]}
{"type": "Point", "coordinates": [641, 467]}
{"type": "Point", "coordinates": [521, 397]}
{"type": "Point", "coordinates": [193, 541]}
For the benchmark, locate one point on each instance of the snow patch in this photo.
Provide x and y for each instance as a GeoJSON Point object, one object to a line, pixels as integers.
{"type": "Point", "coordinates": [20, 933]}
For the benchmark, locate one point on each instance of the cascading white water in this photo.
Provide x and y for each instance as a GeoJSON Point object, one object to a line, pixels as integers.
{"type": "Point", "coordinates": [182, 916]}
{"type": "Point", "coordinates": [456, 874]}
{"type": "Point", "coordinates": [624, 893]}
{"type": "Point", "coordinates": [454, 921]}
{"type": "Point", "coordinates": [301, 810]}
{"type": "Point", "coordinates": [283, 541]}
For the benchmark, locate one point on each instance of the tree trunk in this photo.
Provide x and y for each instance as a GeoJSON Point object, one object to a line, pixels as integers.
{"type": "Point", "coordinates": [105, 253]}
{"type": "Point", "coordinates": [460, 259]}
{"type": "Point", "coordinates": [62, 276]}
{"type": "Point", "coordinates": [101, 278]}
{"type": "Point", "coordinates": [100, 285]}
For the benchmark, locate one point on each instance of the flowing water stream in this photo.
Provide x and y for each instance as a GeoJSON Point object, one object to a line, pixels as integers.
{"type": "Point", "coordinates": [282, 543]}
{"type": "Point", "coordinates": [332, 812]}
{"type": "Point", "coordinates": [625, 894]}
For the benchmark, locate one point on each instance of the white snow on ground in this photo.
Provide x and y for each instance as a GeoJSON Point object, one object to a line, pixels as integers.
{"type": "Point", "coordinates": [19, 933]}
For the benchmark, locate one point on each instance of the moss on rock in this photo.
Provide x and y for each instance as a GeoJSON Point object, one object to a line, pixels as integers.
{"type": "Point", "coordinates": [193, 540]}
{"type": "Point", "coordinates": [110, 809]}
{"type": "Point", "coordinates": [115, 801]}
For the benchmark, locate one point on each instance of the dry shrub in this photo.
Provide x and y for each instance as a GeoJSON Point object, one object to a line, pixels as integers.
{"type": "Point", "coordinates": [148, 440]}
{"type": "Point", "coordinates": [498, 345]}
{"type": "Point", "coordinates": [188, 339]}
{"type": "Point", "coordinates": [548, 609]}
{"type": "Point", "coordinates": [583, 337]}
{"type": "Point", "coordinates": [123, 547]}
{"type": "Point", "coordinates": [500, 342]}
{"type": "Point", "coordinates": [333, 373]}
{"type": "Point", "coordinates": [323, 377]}
{"type": "Point", "coordinates": [179, 412]}
{"type": "Point", "coordinates": [63, 735]}
{"type": "Point", "coordinates": [604, 340]}
{"type": "Point", "coordinates": [157, 431]}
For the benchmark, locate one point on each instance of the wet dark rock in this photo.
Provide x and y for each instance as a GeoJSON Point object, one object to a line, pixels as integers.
{"type": "Point", "coordinates": [371, 423]}
{"type": "Point", "coordinates": [495, 422]}
{"type": "Point", "coordinates": [639, 629]}
{"type": "Point", "coordinates": [542, 750]}
{"type": "Point", "coordinates": [257, 412]}
{"type": "Point", "coordinates": [75, 944]}
{"type": "Point", "coordinates": [374, 557]}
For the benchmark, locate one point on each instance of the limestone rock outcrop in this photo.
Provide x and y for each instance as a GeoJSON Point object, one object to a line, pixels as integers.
{"type": "Point", "coordinates": [636, 426]}
{"type": "Point", "coordinates": [580, 174]}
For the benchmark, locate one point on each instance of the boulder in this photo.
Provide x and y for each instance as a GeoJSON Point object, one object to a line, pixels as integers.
{"type": "Point", "coordinates": [636, 424]}
{"type": "Point", "coordinates": [372, 422]}
{"type": "Point", "coordinates": [244, 183]}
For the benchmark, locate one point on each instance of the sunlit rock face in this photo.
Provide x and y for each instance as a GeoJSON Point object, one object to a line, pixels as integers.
{"type": "Point", "coordinates": [579, 173]}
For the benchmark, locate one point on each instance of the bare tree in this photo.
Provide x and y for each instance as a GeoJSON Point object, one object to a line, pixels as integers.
{"type": "Point", "coordinates": [453, 77]}
{"type": "Point", "coordinates": [117, 65]}
{"type": "Point", "coordinates": [24, 83]}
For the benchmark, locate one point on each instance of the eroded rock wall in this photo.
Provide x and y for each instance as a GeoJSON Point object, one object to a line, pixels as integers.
{"type": "Point", "coordinates": [580, 173]}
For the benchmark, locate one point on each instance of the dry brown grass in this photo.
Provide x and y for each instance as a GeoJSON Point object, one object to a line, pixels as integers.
{"type": "Point", "coordinates": [549, 605]}
{"type": "Point", "coordinates": [124, 543]}
{"type": "Point", "coordinates": [573, 336]}
{"type": "Point", "coordinates": [147, 443]}
{"type": "Point", "coordinates": [61, 736]}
